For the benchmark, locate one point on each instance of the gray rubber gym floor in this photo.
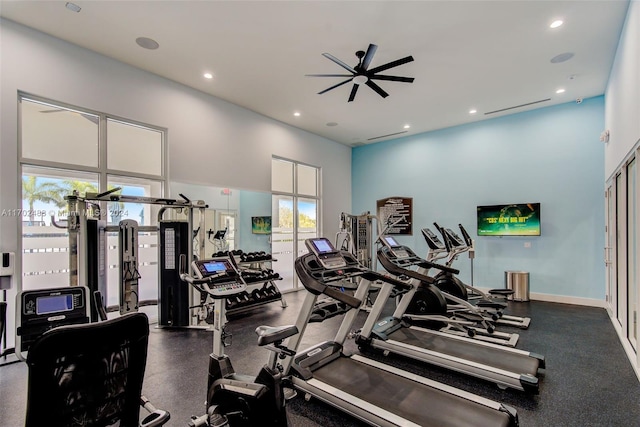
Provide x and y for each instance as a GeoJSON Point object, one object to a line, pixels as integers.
{"type": "Point", "coordinates": [588, 380]}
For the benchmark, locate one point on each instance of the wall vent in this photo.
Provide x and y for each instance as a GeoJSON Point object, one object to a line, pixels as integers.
{"type": "Point", "coordinates": [384, 136]}
{"type": "Point", "coordinates": [517, 106]}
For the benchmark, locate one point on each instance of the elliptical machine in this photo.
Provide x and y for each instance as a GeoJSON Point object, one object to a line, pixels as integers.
{"type": "Point", "coordinates": [494, 302]}
{"type": "Point", "coordinates": [234, 399]}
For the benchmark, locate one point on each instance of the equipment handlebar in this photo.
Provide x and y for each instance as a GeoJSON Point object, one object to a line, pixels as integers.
{"type": "Point", "coordinates": [398, 284]}
{"type": "Point", "coordinates": [465, 235]}
{"type": "Point", "coordinates": [429, 264]}
{"type": "Point", "coordinates": [342, 297]}
{"type": "Point", "coordinates": [445, 238]}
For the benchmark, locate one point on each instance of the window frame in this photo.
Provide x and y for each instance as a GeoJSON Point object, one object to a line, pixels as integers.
{"type": "Point", "coordinates": [103, 173]}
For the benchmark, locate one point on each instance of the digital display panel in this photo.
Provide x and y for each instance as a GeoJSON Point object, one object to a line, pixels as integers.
{"type": "Point", "coordinates": [54, 304]}
{"type": "Point", "coordinates": [509, 220]}
{"type": "Point", "coordinates": [261, 224]}
{"type": "Point", "coordinates": [391, 242]}
{"type": "Point", "coordinates": [215, 266]}
{"type": "Point", "coordinates": [323, 246]}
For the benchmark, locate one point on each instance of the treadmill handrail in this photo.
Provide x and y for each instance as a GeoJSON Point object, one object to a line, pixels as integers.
{"type": "Point", "coordinates": [398, 284]}
{"type": "Point", "coordinates": [414, 260]}
{"type": "Point", "coordinates": [317, 287]}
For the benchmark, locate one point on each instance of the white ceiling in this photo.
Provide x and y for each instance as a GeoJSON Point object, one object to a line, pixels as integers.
{"type": "Point", "coordinates": [487, 55]}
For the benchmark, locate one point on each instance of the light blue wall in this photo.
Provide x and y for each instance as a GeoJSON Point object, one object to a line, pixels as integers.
{"type": "Point", "coordinates": [551, 155]}
{"type": "Point", "coordinates": [253, 203]}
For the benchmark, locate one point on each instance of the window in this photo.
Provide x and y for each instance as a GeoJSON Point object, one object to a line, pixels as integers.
{"type": "Point", "coordinates": [65, 149]}
{"type": "Point", "coordinates": [295, 214]}
{"type": "Point", "coordinates": [52, 133]}
{"type": "Point", "coordinates": [45, 246]}
{"type": "Point", "coordinates": [128, 143]}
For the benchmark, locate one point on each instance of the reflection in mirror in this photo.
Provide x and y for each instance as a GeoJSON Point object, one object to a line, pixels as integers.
{"type": "Point", "coordinates": [228, 219]}
{"type": "Point", "coordinates": [238, 220]}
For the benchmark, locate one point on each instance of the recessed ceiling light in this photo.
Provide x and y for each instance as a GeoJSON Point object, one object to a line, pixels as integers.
{"type": "Point", "coordinates": [331, 124]}
{"type": "Point", "coordinates": [147, 43]}
{"type": "Point", "coordinates": [407, 126]}
{"type": "Point", "coordinates": [473, 111]}
{"type": "Point", "coordinates": [562, 57]}
{"type": "Point", "coordinates": [73, 7]}
{"type": "Point", "coordinates": [296, 114]}
{"type": "Point", "coordinates": [208, 75]}
{"type": "Point", "coordinates": [560, 90]}
{"type": "Point", "coordinates": [556, 23]}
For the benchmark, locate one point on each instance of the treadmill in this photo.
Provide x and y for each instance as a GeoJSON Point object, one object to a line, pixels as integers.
{"type": "Point", "coordinates": [507, 367]}
{"type": "Point", "coordinates": [373, 392]}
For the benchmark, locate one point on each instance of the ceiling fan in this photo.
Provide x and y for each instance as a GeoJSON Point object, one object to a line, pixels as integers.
{"type": "Point", "coordinates": [361, 74]}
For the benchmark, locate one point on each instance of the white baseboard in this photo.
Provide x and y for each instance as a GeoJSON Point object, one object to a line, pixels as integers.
{"type": "Point", "coordinates": [590, 302]}
{"type": "Point", "coordinates": [626, 345]}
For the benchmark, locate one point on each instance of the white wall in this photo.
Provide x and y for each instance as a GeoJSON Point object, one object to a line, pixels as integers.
{"type": "Point", "coordinates": [622, 97]}
{"type": "Point", "coordinates": [211, 142]}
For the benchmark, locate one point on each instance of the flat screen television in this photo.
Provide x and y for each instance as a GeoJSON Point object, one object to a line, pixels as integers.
{"type": "Point", "coordinates": [521, 219]}
{"type": "Point", "coordinates": [261, 224]}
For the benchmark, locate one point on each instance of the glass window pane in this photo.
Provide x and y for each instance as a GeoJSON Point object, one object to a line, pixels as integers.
{"type": "Point", "coordinates": [307, 224]}
{"type": "Point", "coordinates": [307, 180]}
{"type": "Point", "coordinates": [133, 148]}
{"type": "Point", "coordinates": [144, 214]}
{"type": "Point", "coordinates": [281, 176]}
{"type": "Point", "coordinates": [45, 248]}
{"type": "Point", "coordinates": [57, 134]}
{"type": "Point", "coordinates": [282, 240]}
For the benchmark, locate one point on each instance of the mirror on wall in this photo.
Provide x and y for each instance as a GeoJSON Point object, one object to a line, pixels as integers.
{"type": "Point", "coordinates": [234, 219]}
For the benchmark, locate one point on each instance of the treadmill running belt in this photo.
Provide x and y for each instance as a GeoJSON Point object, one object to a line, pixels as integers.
{"type": "Point", "coordinates": [497, 358]}
{"type": "Point", "coordinates": [419, 403]}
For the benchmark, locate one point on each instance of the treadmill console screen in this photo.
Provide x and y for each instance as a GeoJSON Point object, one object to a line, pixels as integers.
{"type": "Point", "coordinates": [390, 242]}
{"type": "Point", "coordinates": [322, 246]}
{"type": "Point", "coordinates": [399, 251]}
{"type": "Point", "coordinates": [325, 253]}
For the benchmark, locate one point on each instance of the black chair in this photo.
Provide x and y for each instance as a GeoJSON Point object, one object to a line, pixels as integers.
{"type": "Point", "coordinates": [90, 375]}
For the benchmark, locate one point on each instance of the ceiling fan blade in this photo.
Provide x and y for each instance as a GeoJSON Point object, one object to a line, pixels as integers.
{"type": "Point", "coordinates": [377, 88]}
{"type": "Point", "coordinates": [390, 65]}
{"type": "Point", "coordinates": [392, 78]}
{"type": "Point", "coordinates": [328, 75]}
{"type": "Point", "coordinates": [354, 90]}
{"type": "Point", "coordinates": [335, 86]}
{"type": "Point", "coordinates": [340, 63]}
{"type": "Point", "coordinates": [368, 56]}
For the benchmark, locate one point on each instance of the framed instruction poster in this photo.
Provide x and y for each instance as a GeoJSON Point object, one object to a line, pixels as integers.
{"type": "Point", "coordinates": [396, 215]}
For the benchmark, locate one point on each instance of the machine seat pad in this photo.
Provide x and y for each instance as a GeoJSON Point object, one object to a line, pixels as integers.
{"type": "Point", "coordinates": [270, 334]}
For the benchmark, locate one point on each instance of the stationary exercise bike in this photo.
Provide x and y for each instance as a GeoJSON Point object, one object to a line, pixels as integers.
{"type": "Point", "coordinates": [233, 399]}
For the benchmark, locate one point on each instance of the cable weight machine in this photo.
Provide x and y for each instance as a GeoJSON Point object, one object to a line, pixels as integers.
{"type": "Point", "coordinates": [88, 230]}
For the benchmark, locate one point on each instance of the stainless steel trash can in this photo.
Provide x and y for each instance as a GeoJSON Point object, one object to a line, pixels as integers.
{"type": "Point", "coordinates": [518, 281]}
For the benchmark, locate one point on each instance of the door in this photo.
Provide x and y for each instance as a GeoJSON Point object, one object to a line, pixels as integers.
{"type": "Point", "coordinates": [609, 250]}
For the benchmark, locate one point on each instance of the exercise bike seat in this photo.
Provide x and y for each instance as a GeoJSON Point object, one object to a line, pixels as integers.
{"type": "Point", "coordinates": [270, 334]}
